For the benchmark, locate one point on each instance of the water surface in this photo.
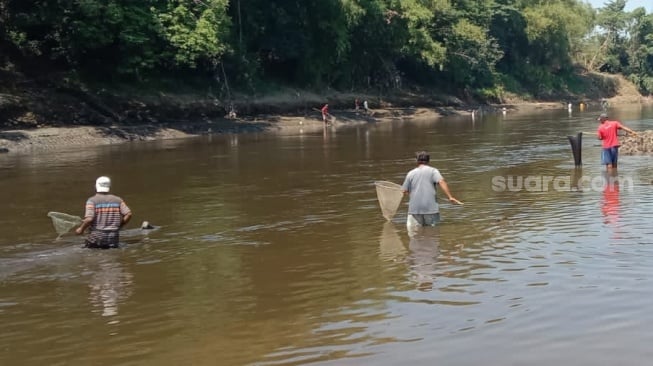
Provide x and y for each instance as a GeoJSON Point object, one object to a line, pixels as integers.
{"type": "Point", "coordinates": [273, 251]}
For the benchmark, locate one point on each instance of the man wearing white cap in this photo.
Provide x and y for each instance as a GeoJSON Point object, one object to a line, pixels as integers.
{"type": "Point", "coordinates": [607, 133]}
{"type": "Point", "coordinates": [104, 214]}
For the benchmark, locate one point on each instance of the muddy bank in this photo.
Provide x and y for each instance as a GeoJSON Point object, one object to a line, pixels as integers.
{"type": "Point", "coordinates": [47, 114]}
{"type": "Point", "coordinates": [48, 138]}
{"type": "Point", "coordinates": [56, 101]}
{"type": "Point", "coordinates": [38, 115]}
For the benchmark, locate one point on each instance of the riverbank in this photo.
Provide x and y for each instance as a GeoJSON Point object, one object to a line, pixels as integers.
{"type": "Point", "coordinates": [49, 138]}
{"type": "Point", "coordinates": [48, 115]}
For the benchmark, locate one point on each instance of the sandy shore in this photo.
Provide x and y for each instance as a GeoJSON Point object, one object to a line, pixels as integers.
{"type": "Point", "coordinates": [51, 138]}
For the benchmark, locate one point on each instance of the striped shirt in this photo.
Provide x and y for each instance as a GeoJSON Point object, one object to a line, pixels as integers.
{"type": "Point", "coordinates": [106, 212]}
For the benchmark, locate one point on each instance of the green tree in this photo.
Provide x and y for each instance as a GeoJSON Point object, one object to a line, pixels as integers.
{"type": "Point", "coordinates": [196, 30]}
{"type": "Point", "coordinates": [639, 67]}
{"type": "Point", "coordinates": [85, 34]}
{"type": "Point", "coordinates": [554, 29]}
{"type": "Point", "coordinates": [294, 42]}
{"type": "Point", "coordinates": [508, 26]}
{"type": "Point", "coordinates": [612, 21]}
{"type": "Point", "coordinates": [456, 44]}
{"type": "Point", "coordinates": [471, 55]}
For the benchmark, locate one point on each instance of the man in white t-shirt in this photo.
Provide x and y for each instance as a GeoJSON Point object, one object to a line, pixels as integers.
{"type": "Point", "coordinates": [420, 184]}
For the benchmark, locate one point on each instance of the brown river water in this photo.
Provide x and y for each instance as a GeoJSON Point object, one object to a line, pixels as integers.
{"type": "Point", "coordinates": [273, 251]}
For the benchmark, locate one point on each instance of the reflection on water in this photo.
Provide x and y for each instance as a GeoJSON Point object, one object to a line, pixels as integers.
{"type": "Point", "coordinates": [390, 245]}
{"type": "Point", "coordinates": [272, 250]}
{"type": "Point", "coordinates": [576, 179]}
{"type": "Point", "coordinates": [610, 202]}
{"type": "Point", "coordinates": [109, 285]}
{"type": "Point", "coordinates": [424, 250]}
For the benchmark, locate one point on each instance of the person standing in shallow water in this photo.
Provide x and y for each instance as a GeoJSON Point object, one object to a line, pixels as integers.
{"type": "Point", "coordinates": [105, 214]}
{"type": "Point", "coordinates": [607, 133]}
{"type": "Point", "coordinates": [420, 185]}
{"type": "Point", "coordinates": [325, 113]}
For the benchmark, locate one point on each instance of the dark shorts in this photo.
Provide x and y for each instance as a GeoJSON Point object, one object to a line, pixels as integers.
{"type": "Point", "coordinates": [102, 239]}
{"type": "Point", "coordinates": [610, 155]}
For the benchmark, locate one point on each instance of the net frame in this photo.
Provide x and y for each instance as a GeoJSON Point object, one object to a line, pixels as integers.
{"type": "Point", "coordinates": [63, 222]}
{"type": "Point", "coordinates": [389, 195]}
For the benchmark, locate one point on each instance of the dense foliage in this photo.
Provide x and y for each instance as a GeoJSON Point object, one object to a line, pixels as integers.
{"type": "Point", "coordinates": [462, 46]}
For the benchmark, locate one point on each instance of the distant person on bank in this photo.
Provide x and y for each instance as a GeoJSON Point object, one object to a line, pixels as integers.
{"type": "Point", "coordinates": [607, 133]}
{"type": "Point", "coordinates": [420, 184]}
{"type": "Point", "coordinates": [325, 113]}
{"type": "Point", "coordinates": [105, 214]}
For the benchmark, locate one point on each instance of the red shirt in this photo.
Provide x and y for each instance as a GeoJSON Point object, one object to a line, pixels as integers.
{"type": "Point", "coordinates": [325, 109]}
{"type": "Point", "coordinates": [607, 132]}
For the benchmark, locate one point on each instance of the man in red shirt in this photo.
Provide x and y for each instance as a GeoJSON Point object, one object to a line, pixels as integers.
{"type": "Point", "coordinates": [325, 113]}
{"type": "Point", "coordinates": [607, 133]}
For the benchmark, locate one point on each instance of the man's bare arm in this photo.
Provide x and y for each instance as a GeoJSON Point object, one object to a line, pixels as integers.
{"type": "Point", "coordinates": [445, 188]}
{"type": "Point", "coordinates": [628, 130]}
{"type": "Point", "coordinates": [85, 224]}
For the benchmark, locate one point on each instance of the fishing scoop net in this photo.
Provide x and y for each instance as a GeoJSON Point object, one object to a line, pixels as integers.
{"type": "Point", "coordinates": [63, 222]}
{"type": "Point", "coordinates": [390, 196]}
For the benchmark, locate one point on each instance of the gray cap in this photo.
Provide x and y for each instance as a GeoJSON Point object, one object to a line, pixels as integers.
{"type": "Point", "coordinates": [602, 116]}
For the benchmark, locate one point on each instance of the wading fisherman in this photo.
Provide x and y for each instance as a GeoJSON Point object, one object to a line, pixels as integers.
{"type": "Point", "coordinates": [607, 133]}
{"type": "Point", "coordinates": [104, 214]}
{"type": "Point", "coordinates": [420, 184]}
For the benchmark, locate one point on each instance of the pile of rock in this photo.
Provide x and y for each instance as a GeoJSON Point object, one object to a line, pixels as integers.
{"type": "Point", "coordinates": [639, 144]}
